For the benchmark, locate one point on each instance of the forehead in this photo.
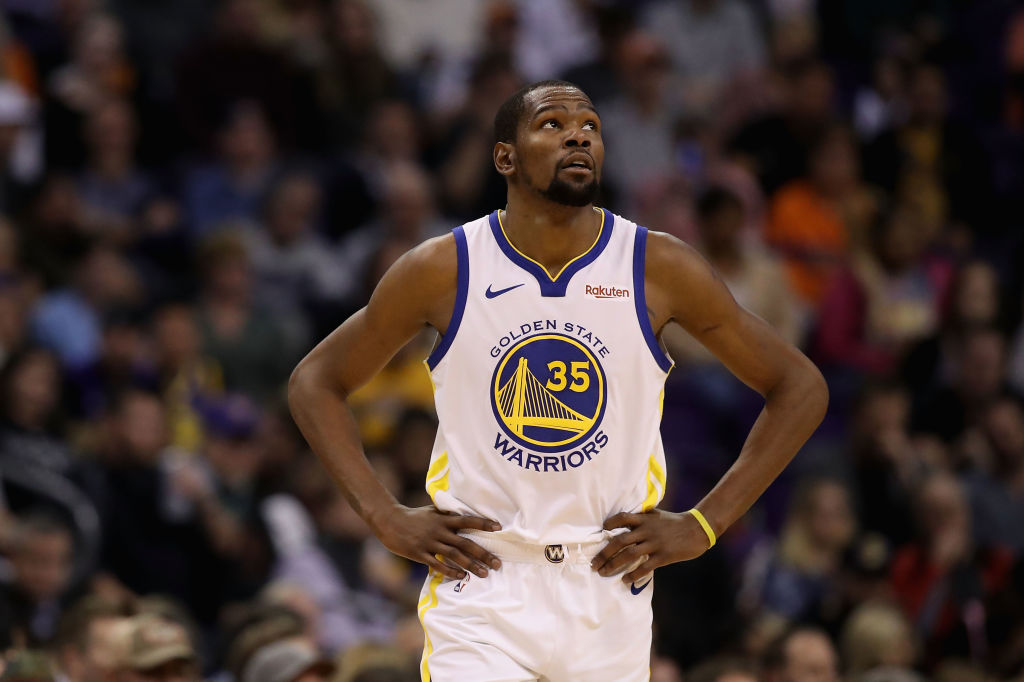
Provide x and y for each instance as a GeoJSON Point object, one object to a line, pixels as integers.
{"type": "Point", "coordinates": [556, 95]}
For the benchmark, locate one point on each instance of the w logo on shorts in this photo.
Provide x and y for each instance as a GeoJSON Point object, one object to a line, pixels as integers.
{"type": "Point", "coordinates": [554, 553]}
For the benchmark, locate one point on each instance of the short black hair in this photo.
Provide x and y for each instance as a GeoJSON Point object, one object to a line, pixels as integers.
{"type": "Point", "coordinates": [506, 121]}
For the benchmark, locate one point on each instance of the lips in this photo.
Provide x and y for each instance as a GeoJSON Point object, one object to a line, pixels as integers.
{"type": "Point", "coordinates": [579, 160]}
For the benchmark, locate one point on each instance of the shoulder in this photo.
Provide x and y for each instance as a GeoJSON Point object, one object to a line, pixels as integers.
{"type": "Point", "coordinates": [669, 258]}
{"type": "Point", "coordinates": [422, 283]}
{"type": "Point", "coordinates": [436, 258]}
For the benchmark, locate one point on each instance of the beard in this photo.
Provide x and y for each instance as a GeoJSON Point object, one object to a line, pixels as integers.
{"type": "Point", "coordinates": [571, 194]}
{"type": "Point", "coordinates": [566, 193]}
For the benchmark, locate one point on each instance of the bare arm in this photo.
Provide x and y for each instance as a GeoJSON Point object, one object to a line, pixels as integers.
{"type": "Point", "coordinates": [418, 290]}
{"type": "Point", "coordinates": [681, 287]}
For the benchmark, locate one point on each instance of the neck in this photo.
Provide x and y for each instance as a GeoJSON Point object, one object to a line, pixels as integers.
{"type": "Point", "coordinates": [549, 233]}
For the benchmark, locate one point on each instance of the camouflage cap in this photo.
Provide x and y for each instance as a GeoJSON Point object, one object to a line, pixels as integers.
{"type": "Point", "coordinates": [155, 641]}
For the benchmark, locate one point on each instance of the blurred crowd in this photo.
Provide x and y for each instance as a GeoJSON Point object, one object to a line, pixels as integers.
{"type": "Point", "coordinates": [192, 193]}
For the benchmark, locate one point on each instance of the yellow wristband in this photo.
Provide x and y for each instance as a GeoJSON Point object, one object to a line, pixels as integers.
{"type": "Point", "coordinates": [705, 525]}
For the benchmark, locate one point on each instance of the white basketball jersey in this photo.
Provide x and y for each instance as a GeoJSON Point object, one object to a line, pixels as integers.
{"type": "Point", "coordinates": [548, 390]}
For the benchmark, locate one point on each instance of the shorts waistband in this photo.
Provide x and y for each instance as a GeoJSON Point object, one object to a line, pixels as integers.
{"type": "Point", "coordinates": [524, 552]}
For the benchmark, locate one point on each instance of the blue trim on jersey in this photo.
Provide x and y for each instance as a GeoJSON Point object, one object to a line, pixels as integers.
{"type": "Point", "coordinates": [552, 287]}
{"type": "Point", "coordinates": [639, 260]}
{"type": "Point", "coordinates": [461, 293]}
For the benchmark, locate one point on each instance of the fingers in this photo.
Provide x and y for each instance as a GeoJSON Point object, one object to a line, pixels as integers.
{"type": "Point", "coordinates": [472, 522]}
{"type": "Point", "coordinates": [623, 520]}
{"type": "Point", "coordinates": [627, 559]}
{"type": "Point", "coordinates": [434, 561]}
{"type": "Point", "coordinates": [641, 571]}
{"type": "Point", "coordinates": [462, 560]}
{"type": "Point", "coordinates": [478, 553]}
{"type": "Point", "coordinates": [614, 546]}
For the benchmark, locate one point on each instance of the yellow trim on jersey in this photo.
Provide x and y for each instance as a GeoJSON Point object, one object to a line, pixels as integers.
{"type": "Point", "coordinates": [428, 602]}
{"type": "Point", "coordinates": [437, 475]}
{"type": "Point", "coordinates": [661, 403]}
{"type": "Point", "coordinates": [655, 484]}
{"type": "Point", "coordinates": [599, 231]}
{"type": "Point", "coordinates": [430, 375]}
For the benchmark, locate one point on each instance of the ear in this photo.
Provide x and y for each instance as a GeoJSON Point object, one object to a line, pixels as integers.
{"type": "Point", "coordinates": [505, 158]}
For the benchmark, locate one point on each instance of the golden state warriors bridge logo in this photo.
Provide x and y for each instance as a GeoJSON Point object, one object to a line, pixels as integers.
{"type": "Point", "coordinates": [549, 393]}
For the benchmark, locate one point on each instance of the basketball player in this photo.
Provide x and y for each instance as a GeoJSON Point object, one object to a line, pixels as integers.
{"type": "Point", "coordinates": [548, 375]}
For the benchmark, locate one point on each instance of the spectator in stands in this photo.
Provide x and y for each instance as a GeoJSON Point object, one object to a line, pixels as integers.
{"type": "Point", "coordinates": [228, 74]}
{"type": "Point", "coordinates": [407, 215]}
{"type": "Point", "coordinates": [287, 660]}
{"type": "Point", "coordinates": [800, 580]}
{"type": "Point", "coordinates": [19, 162]}
{"type": "Point", "coordinates": [91, 640]}
{"type": "Point", "coordinates": [931, 142]}
{"type": "Point", "coordinates": [247, 341]}
{"type": "Point", "coordinates": [41, 559]}
{"type": "Point", "coordinates": [887, 299]}
{"type": "Point", "coordinates": [711, 42]}
{"type": "Point", "coordinates": [876, 636]}
{"type": "Point", "coordinates": [977, 377]}
{"type": "Point", "coordinates": [67, 320]}
{"type": "Point", "coordinates": [158, 536]}
{"type": "Point", "coordinates": [357, 182]}
{"type": "Point", "coordinates": [295, 270]}
{"type": "Point", "coordinates": [233, 188]}
{"type": "Point", "coordinates": [974, 300]}
{"type": "Point", "coordinates": [30, 437]}
{"type": "Point", "coordinates": [463, 156]}
{"type": "Point", "coordinates": [815, 221]}
{"type": "Point", "coordinates": [122, 364]}
{"type": "Point", "coordinates": [996, 489]}
{"type": "Point", "coordinates": [754, 278]}
{"type": "Point", "coordinates": [638, 124]}
{"type": "Point", "coordinates": [943, 580]}
{"type": "Point", "coordinates": [354, 77]}
{"type": "Point", "coordinates": [159, 650]}
{"type": "Point", "coordinates": [185, 375]}
{"type": "Point", "coordinates": [886, 462]}
{"type": "Point", "coordinates": [801, 654]}
{"type": "Point", "coordinates": [777, 145]}
{"type": "Point", "coordinates": [98, 71]}
{"type": "Point", "coordinates": [112, 189]}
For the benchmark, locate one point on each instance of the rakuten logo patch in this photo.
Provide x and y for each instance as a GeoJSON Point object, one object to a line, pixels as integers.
{"type": "Point", "coordinates": [605, 292]}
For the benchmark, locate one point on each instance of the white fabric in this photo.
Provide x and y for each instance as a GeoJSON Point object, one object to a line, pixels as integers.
{"type": "Point", "coordinates": [555, 622]}
{"type": "Point", "coordinates": [564, 494]}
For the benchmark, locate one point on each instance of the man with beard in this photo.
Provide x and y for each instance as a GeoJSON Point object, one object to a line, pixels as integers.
{"type": "Point", "coordinates": [548, 465]}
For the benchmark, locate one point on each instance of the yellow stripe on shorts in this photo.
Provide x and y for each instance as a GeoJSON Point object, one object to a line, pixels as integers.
{"type": "Point", "coordinates": [428, 602]}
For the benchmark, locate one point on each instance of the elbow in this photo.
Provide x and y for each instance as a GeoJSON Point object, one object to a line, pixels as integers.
{"type": "Point", "coordinates": [299, 385]}
{"type": "Point", "coordinates": [308, 383]}
{"type": "Point", "coordinates": [816, 392]}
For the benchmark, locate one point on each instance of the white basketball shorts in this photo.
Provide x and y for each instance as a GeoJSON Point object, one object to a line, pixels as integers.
{"type": "Point", "coordinates": [545, 615]}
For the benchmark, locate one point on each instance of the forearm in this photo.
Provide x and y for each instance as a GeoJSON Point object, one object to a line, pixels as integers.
{"type": "Point", "coordinates": [792, 411]}
{"type": "Point", "coordinates": [329, 427]}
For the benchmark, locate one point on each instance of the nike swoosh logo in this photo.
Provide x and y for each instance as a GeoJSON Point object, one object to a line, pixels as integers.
{"type": "Point", "coordinates": [499, 292]}
{"type": "Point", "coordinates": [637, 590]}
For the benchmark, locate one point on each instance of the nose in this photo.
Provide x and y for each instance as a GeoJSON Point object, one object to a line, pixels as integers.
{"type": "Point", "coordinates": [577, 138]}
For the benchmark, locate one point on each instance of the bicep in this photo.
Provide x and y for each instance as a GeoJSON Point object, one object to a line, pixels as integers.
{"type": "Point", "coordinates": [699, 301]}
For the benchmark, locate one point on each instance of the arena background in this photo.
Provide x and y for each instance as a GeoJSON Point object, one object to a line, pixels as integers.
{"type": "Point", "coordinates": [194, 192]}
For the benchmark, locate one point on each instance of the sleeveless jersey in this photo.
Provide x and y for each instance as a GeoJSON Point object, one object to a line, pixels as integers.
{"type": "Point", "coordinates": [548, 390]}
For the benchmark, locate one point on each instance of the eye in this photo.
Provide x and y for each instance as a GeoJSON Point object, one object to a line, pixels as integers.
{"type": "Point", "coordinates": [550, 123]}
{"type": "Point", "coordinates": [591, 125]}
